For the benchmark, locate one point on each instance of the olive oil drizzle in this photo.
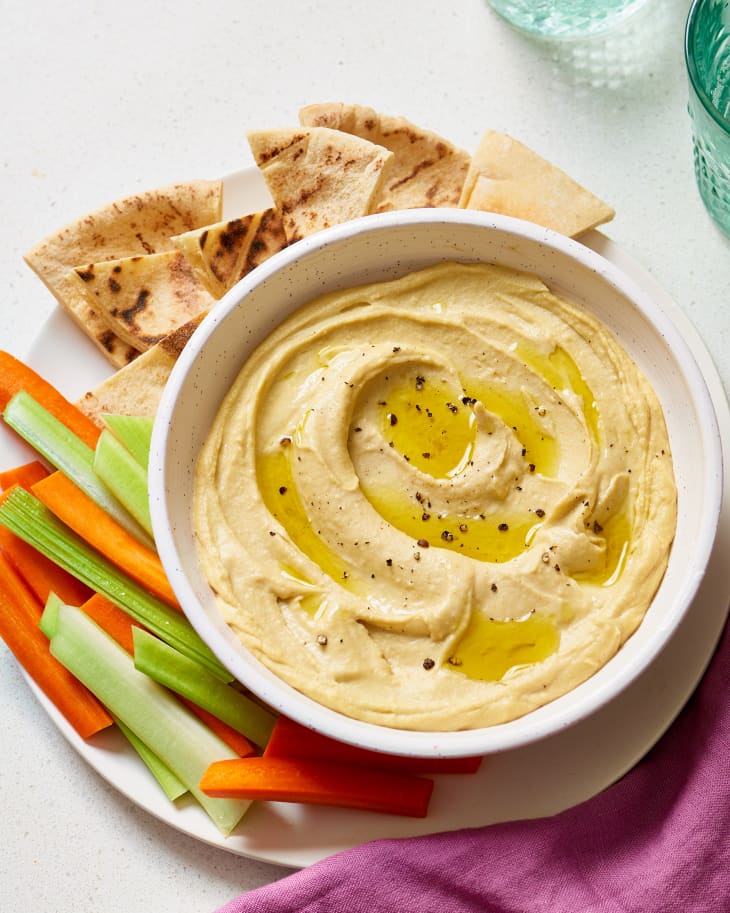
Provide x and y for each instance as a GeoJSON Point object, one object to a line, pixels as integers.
{"type": "Point", "coordinates": [496, 538]}
{"type": "Point", "coordinates": [490, 647]}
{"type": "Point", "coordinates": [281, 497]}
{"type": "Point", "coordinates": [616, 533]}
{"type": "Point", "coordinates": [562, 373]}
{"type": "Point", "coordinates": [430, 422]}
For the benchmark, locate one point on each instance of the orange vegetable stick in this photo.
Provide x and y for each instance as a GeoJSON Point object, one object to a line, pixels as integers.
{"type": "Point", "coordinates": [26, 475]}
{"type": "Point", "coordinates": [115, 621]}
{"type": "Point", "coordinates": [318, 783]}
{"type": "Point", "coordinates": [234, 739]}
{"type": "Point", "coordinates": [19, 616]}
{"type": "Point", "coordinates": [291, 740]}
{"type": "Point", "coordinates": [15, 376]}
{"type": "Point", "coordinates": [41, 575]}
{"type": "Point", "coordinates": [76, 509]}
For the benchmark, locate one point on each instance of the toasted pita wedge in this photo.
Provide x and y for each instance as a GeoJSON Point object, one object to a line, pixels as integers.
{"type": "Point", "coordinates": [224, 253]}
{"type": "Point", "coordinates": [144, 298]}
{"type": "Point", "coordinates": [136, 389]}
{"type": "Point", "coordinates": [427, 169]}
{"type": "Point", "coordinates": [268, 239]}
{"type": "Point", "coordinates": [507, 177]}
{"type": "Point", "coordinates": [138, 224]}
{"type": "Point", "coordinates": [215, 251]}
{"type": "Point", "coordinates": [319, 177]}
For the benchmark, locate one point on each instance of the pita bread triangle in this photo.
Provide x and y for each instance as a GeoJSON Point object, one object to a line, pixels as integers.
{"type": "Point", "coordinates": [136, 388]}
{"type": "Point", "coordinates": [319, 177]}
{"type": "Point", "coordinates": [427, 169]}
{"type": "Point", "coordinates": [268, 239]}
{"type": "Point", "coordinates": [143, 299]}
{"type": "Point", "coordinates": [224, 253]}
{"type": "Point", "coordinates": [136, 225]}
{"type": "Point", "coordinates": [507, 177]}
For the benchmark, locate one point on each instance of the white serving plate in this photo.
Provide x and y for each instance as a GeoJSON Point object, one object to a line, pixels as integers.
{"type": "Point", "coordinates": [527, 782]}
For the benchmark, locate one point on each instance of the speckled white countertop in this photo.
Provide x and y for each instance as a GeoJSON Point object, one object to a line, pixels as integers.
{"type": "Point", "coordinates": [103, 99]}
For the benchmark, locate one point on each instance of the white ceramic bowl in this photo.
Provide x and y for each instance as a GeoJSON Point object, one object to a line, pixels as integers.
{"type": "Point", "coordinates": [384, 247]}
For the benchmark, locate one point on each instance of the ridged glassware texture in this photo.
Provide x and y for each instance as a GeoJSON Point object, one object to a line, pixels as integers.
{"type": "Point", "coordinates": [707, 50]}
{"type": "Point", "coordinates": [565, 18]}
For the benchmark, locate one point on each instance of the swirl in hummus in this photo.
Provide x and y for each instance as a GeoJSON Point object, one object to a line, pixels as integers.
{"type": "Point", "coordinates": [437, 502]}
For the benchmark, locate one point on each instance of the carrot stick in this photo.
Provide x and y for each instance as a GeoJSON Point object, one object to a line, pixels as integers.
{"type": "Point", "coordinates": [292, 740]}
{"type": "Point", "coordinates": [26, 475]}
{"type": "Point", "coordinates": [15, 376]}
{"type": "Point", "coordinates": [234, 739]}
{"type": "Point", "coordinates": [318, 783]}
{"type": "Point", "coordinates": [20, 612]}
{"type": "Point", "coordinates": [110, 618]}
{"type": "Point", "coordinates": [93, 524]}
{"type": "Point", "coordinates": [40, 574]}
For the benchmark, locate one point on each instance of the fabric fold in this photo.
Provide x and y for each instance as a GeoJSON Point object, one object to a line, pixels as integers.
{"type": "Point", "coordinates": [657, 840]}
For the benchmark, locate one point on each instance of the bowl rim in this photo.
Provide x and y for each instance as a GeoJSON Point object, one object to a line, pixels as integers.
{"type": "Point", "coordinates": [523, 730]}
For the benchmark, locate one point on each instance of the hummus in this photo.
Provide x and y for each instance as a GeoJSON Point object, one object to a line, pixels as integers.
{"type": "Point", "coordinates": [438, 502]}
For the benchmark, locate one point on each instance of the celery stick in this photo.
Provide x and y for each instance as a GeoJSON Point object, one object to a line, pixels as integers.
{"type": "Point", "coordinates": [154, 715]}
{"type": "Point", "coordinates": [188, 678]}
{"type": "Point", "coordinates": [171, 785]}
{"type": "Point", "coordinates": [23, 514]}
{"type": "Point", "coordinates": [68, 453]}
{"type": "Point", "coordinates": [134, 431]}
{"type": "Point", "coordinates": [49, 618]}
{"type": "Point", "coordinates": [124, 477]}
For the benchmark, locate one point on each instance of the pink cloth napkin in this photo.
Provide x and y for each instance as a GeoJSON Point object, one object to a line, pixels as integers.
{"type": "Point", "coordinates": [657, 841]}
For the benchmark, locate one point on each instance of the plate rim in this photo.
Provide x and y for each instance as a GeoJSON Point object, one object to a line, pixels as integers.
{"type": "Point", "coordinates": [189, 819]}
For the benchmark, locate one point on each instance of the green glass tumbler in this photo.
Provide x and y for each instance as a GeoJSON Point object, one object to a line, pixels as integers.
{"type": "Point", "coordinates": [707, 52]}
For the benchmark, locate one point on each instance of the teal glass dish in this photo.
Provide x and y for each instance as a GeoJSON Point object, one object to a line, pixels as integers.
{"type": "Point", "coordinates": [707, 52]}
{"type": "Point", "coordinates": [565, 18]}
